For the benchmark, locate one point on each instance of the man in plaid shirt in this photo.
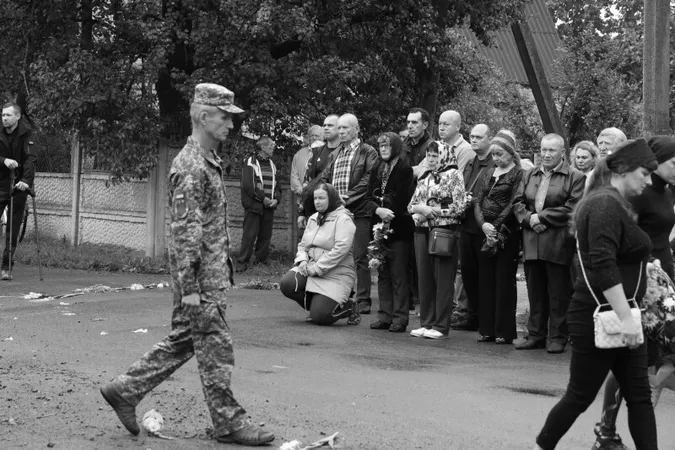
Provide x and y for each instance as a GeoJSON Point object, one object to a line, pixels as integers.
{"type": "Point", "coordinates": [349, 171]}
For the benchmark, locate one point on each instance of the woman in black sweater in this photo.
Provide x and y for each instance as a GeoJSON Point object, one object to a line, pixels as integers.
{"type": "Point", "coordinates": [614, 251]}
{"type": "Point", "coordinates": [498, 259]}
{"type": "Point", "coordinates": [390, 188]}
{"type": "Point", "coordinates": [656, 217]}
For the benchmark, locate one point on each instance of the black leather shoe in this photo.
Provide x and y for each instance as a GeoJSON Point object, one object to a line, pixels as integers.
{"type": "Point", "coordinates": [531, 344]}
{"type": "Point", "coordinates": [482, 338]}
{"type": "Point", "coordinates": [555, 347]}
{"type": "Point", "coordinates": [250, 436]}
{"type": "Point", "coordinates": [465, 325]}
{"type": "Point", "coordinates": [125, 412]}
{"type": "Point", "coordinates": [397, 328]}
{"type": "Point", "coordinates": [364, 308]}
{"type": "Point", "coordinates": [379, 325]}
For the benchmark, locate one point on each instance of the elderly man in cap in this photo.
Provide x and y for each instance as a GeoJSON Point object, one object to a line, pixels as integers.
{"type": "Point", "coordinates": [201, 270]}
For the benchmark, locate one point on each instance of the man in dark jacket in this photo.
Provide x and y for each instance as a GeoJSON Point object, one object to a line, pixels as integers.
{"type": "Point", "coordinates": [418, 139]}
{"type": "Point", "coordinates": [17, 170]}
{"type": "Point", "coordinates": [543, 205]}
{"type": "Point", "coordinates": [260, 195]}
{"type": "Point", "coordinates": [349, 170]}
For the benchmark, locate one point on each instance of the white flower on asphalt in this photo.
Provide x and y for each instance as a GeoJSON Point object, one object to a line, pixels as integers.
{"type": "Point", "coordinates": [141, 330]}
{"type": "Point", "coordinates": [293, 445]}
{"type": "Point", "coordinates": [32, 295]}
{"type": "Point", "coordinates": [136, 287]}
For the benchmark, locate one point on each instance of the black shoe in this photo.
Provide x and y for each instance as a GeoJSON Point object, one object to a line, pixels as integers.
{"type": "Point", "coordinates": [397, 328]}
{"type": "Point", "coordinates": [482, 338]}
{"type": "Point", "coordinates": [555, 347]}
{"type": "Point", "coordinates": [344, 310]}
{"type": "Point", "coordinates": [502, 341]}
{"type": "Point", "coordinates": [125, 412]}
{"type": "Point", "coordinates": [250, 436]}
{"type": "Point", "coordinates": [241, 267]}
{"type": "Point", "coordinates": [465, 325]}
{"type": "Point", "coordinates": [379, 325]}
{"type": "Point", "coordinates": [364, 308]}
{"type": "Point", "coordinates": [531, 344]}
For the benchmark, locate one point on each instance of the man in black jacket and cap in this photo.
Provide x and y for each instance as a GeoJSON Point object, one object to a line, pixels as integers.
{"type": "Point", "coordinates": [17, 170]}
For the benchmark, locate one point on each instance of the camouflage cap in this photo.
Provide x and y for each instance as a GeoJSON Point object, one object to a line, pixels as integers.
{"type": "Point", "coordinates": [215, 95]}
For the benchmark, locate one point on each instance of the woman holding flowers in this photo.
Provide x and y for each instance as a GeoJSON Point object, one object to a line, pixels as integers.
{"type": "Point", "coordinates": [437, 206]}
{"type": "Point", "coordinates": [389, 191]}
{"type": "Point", "coordinates": [613, 254]}
{"type": "Point", "coordinates": [498, 259]}
{"type": "Point", "coordinates": [324, 273]}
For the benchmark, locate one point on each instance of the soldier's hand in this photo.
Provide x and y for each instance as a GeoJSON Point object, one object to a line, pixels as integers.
{"type": "Point", "coordinates": [21, 186]}
{"type": "Point", "coordinates": [11, 164]}
{"type": "Point", "coordinates": [190, 303]}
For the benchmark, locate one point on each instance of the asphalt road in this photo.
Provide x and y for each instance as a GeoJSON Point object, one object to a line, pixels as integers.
{"type": "Point", "coordinates": [380, 390]}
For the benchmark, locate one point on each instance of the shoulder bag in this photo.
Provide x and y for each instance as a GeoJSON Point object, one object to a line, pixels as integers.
{"type": "Point", "coordinates": [442, 242]}
{"type": "Point", "coordinates": [606, 322]}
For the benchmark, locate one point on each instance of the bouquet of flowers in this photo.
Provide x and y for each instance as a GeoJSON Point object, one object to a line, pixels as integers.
{"type": "Point", "coordinates": [658, 317]}
{"type": "Point", "coordinates": [378, 252]}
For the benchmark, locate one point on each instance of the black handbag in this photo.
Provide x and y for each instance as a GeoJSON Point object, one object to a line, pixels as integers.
{"type": "Point", "coordinates": [442, 242]}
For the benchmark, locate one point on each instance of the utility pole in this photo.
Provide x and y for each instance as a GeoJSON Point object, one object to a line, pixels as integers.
{"type": "Point", "coordinates": [656, 67]}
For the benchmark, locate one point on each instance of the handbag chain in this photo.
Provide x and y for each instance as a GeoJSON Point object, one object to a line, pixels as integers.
{"type": "Point", "coordinates": [583, 271]}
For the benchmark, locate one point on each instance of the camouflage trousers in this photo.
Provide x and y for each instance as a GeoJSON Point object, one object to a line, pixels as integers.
{"type": "Point", "coordinates": [206, 335]}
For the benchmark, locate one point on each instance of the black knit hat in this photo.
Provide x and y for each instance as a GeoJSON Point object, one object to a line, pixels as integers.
{"type": "Point", "coordinates": [630, 155]}
{"type": "Point", "coordinates": [663, 148]}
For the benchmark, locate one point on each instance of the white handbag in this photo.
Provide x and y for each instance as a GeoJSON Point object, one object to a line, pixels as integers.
{"type": "Point", "coordinates": [606, 322]}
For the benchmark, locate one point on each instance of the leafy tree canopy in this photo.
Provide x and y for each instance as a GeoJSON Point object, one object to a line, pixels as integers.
{"type": "Point", "coordinates": [120, 73]}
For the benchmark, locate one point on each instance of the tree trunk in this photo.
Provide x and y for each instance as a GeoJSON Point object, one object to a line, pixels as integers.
{"type": "Point", "coordinates": [656, 67]}
{"type": "Point", "coordinates": [173, 107]}
{"type": "Point", "coordinates": [428, 78]}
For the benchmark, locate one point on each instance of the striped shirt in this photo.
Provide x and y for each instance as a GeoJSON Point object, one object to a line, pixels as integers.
{"type": "Point", "coordinates": [267, 176]}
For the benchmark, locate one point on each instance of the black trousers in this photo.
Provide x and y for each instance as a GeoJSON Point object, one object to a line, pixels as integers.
{"type": "Point", "coordinates": [362, 238]}
{"type": "Point", "coordinates": [497, 291]}
{"type": "Point", "coordinates": [589, 367]}
{"type": "Point", "coordinates": [469, 252]}
{"type": "Point", "coordinates": [436, 285]}
{"type": "Point", "coordinates": [392, 285]}
{"type": "Point", "coordinates": [549, 289]}
{"type": "Point", "coordinates": [320, 307]}
{"type": "Point", "coordinates": [16, 218]}
{"type": "Point", "coordinates": [257, 234]}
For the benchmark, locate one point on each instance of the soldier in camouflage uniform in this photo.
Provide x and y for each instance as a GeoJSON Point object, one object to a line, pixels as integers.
{"type": "Point", "coordinates": [201, 270]}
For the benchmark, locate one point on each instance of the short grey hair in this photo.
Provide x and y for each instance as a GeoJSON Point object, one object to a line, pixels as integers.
{"type": "Point", "coordinates": [196, 109]}
{"type": "Point", "coordinates": [614, 132]}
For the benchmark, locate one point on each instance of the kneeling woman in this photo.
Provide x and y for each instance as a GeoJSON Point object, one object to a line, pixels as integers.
{"type": "Point", "coordinates": [324, 272]}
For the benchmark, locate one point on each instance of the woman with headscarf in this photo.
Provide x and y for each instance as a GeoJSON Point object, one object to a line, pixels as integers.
{"type": "Point", "coordinates": [613, 252]}
{"type": "Point", "coordinates": [498, 259]}
{"type": "Point", "coordinates": [437, 207]}
{"type": "Point", "coordinates": [323, 275]}
{"type": "Point", "coordinates": [390, 188]}
{"type": "Point", "coordinates": [655, 215]}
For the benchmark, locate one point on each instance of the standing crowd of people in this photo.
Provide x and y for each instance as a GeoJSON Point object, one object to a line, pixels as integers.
{"type": "Point", "coordinates": [449, 220]}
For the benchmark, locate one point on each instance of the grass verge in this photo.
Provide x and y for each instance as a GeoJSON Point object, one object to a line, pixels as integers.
{"type": "Point", "coordinates": [59, 253]}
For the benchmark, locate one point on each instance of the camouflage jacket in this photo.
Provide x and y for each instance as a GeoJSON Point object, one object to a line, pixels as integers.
{"type": "Point", "coordinates": [199, 243]}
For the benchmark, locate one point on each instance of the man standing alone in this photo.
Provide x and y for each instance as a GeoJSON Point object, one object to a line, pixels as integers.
{"type": "Point", "coordinates": [201, 270]}
{"type": "Point", "coordinates": [17, 170]}
{"type": "Point", "coordinates": [349, 172]}
{"type": "Point", "coordinates": [260, 196]}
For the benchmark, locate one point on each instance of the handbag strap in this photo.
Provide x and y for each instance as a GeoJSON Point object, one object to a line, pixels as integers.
{"type": "Point", "coordinates": [583, 271]}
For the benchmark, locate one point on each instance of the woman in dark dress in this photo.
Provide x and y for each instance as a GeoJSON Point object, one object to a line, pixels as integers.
{"type": "Point", "coordinates": [390, 189]}
{"type": "Point", "coordinates": [656, 217]}
{"type": "Point", "coordinates": [614, 252]}
{"type": "Point", "coordinates": [498, 259]}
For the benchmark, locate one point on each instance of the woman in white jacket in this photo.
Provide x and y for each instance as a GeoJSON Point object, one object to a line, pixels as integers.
{"type": "Point", "coordinates": [324, 273]}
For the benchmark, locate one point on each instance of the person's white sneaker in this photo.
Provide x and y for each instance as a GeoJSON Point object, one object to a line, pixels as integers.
{"type": "Point", "coordinates": [434, 334]}
{"type": "Point", "coordinates": [419, 332]}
